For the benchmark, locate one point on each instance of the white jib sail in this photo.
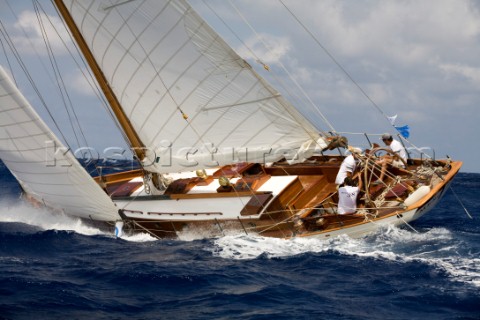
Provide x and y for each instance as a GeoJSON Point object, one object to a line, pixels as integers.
{"type": "Point", "coordinates": [192, 100]}
{"type": "Point", "coordinates": [42, 165]}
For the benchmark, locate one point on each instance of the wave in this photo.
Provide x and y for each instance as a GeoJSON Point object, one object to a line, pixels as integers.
{"type": "Point", "coordinates": [45, 219]}
{"type": "Point", "coordinates": [436, 247]}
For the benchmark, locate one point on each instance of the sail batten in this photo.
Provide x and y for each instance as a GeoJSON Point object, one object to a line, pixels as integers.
{"type": "Point", "coordinates": [46, 170]}
{"type": "Point", "coordinates": [182, 87]}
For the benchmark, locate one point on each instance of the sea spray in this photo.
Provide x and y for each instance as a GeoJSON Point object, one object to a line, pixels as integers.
{"type": "Point", "coordinates": [44, 218]}
{"type": "Point", "coordinates": [435, 247]}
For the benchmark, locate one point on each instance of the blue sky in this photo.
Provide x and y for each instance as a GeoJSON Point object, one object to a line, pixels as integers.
{"type": "Point", "coordinates": [416, 59]}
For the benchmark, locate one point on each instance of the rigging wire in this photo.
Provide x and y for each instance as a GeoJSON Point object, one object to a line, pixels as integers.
{"type": "Point", "coordinates": [30, 42]}
{"type": "Point", "coordinates": [333, 59]}
{"type": "Point", "coordinates": [349, 76]}
{"type": "Point", "coordinates": [89, 78]}
{"type": "Point", "coordinates": [17, 56]}
{"type": "Point", "coordinates": [55, 67]}
{"type": "Point", "coordinates": [64, 93]}
{"type": "Point", "coordinates": [312, 104]}
{"type": "Point", "coordinates": [87, 74]}
{"type": "Point", "coordinates": [59, 80]}
{"type": "Point", "coordinates": [8, 62]}
{"type": "Point", "coordinates": [30, 79]}
{"type": "Point", "coordinates": [461, 203]}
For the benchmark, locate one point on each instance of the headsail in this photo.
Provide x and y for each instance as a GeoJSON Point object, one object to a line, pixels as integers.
{"type": "Point", "coordinates": [41, 164]}
{"type": "Point", "coordinates": [191, 99]}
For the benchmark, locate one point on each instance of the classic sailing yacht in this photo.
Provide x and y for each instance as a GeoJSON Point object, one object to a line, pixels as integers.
{"type": "Point", "coordinates": [219, 148]}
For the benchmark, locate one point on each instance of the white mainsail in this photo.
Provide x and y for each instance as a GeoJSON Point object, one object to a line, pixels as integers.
{"type": "Point", "coordinates": [42, 165]}
{"type": "Point", "coordinates": [191, 99]}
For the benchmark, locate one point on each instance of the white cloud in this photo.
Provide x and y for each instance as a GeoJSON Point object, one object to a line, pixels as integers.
{"type": "Point", "coordinates": [270, 49]}
{"type": "Point", "coordinates": [30, 38]}
{"type": "Point", "coordinates": [406, 31]}
{"type": "Point", "coordinates": [471, 73]}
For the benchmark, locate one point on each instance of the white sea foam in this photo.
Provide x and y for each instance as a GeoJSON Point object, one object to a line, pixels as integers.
{"type": "Point", "coordinates": [44, 219]}
{"type": "Point", "coordinates": [47, 220]}
{"type": "Point", "coordinates": [436, 247]}
{"type": "Point", "coordinates": [138, 237]}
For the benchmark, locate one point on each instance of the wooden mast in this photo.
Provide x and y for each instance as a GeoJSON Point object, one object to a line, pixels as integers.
{"type": "Point", "coordinates": [117, 109]}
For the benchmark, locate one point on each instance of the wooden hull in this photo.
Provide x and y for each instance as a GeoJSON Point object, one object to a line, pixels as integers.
{"type": "Point", "coordinates": [353, 226]}
{"type": "Point", "coordinates": [397, 219]}
{"type": "Point", "coordinates": [301, 204]}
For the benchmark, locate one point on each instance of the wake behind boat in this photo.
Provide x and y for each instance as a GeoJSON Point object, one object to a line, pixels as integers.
{"type": "Point", "coordinates": [219, 148]}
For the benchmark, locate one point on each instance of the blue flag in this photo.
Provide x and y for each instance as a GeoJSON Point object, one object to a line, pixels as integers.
{"type": "Point", "coordinates": [404, 131]}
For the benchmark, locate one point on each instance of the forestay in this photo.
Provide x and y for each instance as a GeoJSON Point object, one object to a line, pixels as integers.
{"type": "Point", "coordinates": [192, 100]}
{"type": "Point", "coordinates": [41, 164]}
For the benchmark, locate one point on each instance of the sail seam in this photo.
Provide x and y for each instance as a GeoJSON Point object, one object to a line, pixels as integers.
{"type": "Point", "coordinates": [233, 105]}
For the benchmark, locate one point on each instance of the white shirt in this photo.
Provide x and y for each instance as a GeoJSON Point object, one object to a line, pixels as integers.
{"type": "Point", "coordinates": [398, 148]}
{"type": "Point", "coordinates": [347, 199]}
{"type": "Point", "coordinates": [348, 165]}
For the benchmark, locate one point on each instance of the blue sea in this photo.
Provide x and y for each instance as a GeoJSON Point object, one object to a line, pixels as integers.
{"type": "Point", "coordinates": [54, 267]}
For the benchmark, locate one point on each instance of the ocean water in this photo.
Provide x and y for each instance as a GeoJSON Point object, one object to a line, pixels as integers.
{"type": "Point", "coordinates": [54, 267]}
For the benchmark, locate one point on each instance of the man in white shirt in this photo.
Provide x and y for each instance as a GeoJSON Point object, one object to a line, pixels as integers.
{"type": "Point", "coordinates": [395, 160]}
{"type": "Point", "coordinates": [347, 197]}
{"type": "Point", "coordinates": [348, 166]}
{"type": "Point", "coordinates": [346, 169]}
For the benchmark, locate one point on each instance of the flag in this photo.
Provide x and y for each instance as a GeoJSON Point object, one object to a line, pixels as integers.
{"type": "Point", "coordinates": [404, 131]}
{"type": "Point", "coordinates": [392, 119]}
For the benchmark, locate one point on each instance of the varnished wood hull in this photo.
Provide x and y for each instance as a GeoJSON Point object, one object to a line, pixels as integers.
{"type": "Point", "coordinates": [280, 216]}
{"type": "Point", "coordinates": [352, 225]}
